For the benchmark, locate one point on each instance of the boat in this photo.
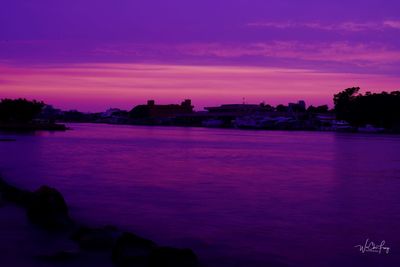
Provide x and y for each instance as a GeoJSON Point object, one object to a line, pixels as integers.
{"type": "Point", "coordinates": [370, 129]}
{"type": "Point", "coordinates": [213, 123]}
{"type": "Point", "coordinates": [342, 126]}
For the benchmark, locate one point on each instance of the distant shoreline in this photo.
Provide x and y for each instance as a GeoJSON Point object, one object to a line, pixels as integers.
{"type": "Point", "coordinates": [62, 126]}
{"type": "Point", "coordinates": [23, 127]}
{"type": "Point", "coordinates": [353, 130]}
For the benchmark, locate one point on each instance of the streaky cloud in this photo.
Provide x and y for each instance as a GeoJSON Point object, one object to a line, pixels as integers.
{"type": "Point", "coordinates": [347, 26]}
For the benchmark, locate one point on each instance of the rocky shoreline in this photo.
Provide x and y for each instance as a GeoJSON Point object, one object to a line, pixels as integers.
{"type": "Point", "coordinates": [47, 210]}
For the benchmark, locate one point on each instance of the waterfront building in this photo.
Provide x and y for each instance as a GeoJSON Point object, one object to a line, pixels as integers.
{"type": "Point", "coordinates": [152, 110]}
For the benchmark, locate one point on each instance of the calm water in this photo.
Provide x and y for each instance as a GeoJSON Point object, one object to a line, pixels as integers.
{"type": "Point", "coordinates": [238, 198]}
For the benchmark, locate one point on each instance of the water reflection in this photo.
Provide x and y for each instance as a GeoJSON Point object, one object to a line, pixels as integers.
{"type": "Point", "coordinates": [236, 197]}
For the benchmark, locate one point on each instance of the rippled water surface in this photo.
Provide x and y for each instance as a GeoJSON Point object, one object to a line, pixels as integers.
{"type": "Point", "coordinates": [238, 198]}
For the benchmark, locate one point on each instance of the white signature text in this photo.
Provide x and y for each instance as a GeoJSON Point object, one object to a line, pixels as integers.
{"type": "Point", "coordinates": [370, 246]}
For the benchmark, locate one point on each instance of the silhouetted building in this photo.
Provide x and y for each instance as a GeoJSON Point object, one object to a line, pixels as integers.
{"type": "Point", "coordinates": [151, 110]}
{"type": "Point", "coordinates": [225, 115]}
{"type": "Point", "coordinates": [300, 106]}
{"type": "Point", "coordinates": [238, 109]}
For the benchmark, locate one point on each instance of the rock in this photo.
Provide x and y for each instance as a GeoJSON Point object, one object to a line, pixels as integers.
{"type": "Point", "coordinates": [60, 256]}
{"type": "Point", "coordinates": [96, 238]}
{"type": "Point", "coordinates": [132, 250]}
{"type": "Point", "coordinates": [172, 257]}
{"type": "Point", "coordinates": [13, 194]}
{"type": "Point", "coordinates": [47, 208]}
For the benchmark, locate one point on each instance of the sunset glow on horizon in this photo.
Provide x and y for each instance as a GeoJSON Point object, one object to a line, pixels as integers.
{"type": "Point", "coordinates": [96, 87]}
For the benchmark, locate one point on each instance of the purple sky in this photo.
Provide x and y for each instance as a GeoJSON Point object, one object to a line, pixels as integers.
{"type": "Point", "coordinates": [343, 43]}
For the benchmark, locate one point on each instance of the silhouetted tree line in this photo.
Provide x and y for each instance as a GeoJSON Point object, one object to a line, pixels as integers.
{"type": "Point", "coordinates": [378, 109]}
{"type": "Point", "coordinates": [19, 110]}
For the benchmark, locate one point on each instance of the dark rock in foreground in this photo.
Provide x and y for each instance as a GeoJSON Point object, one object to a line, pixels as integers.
{"type": "Point", "coordinates": [95, 238]}
{"type": "Point", "coordinates": [132, 250]}
{"type": "Point", "coordinates": [2, 203]}
{"type": "Point", "coordinates": [59, 257]}
{"type": "Point", "coordinates": [14, 194]}
{"type": "Point", "coordinates": [172, 257]}
{"type": "Point", "coordinates": [47, 208]}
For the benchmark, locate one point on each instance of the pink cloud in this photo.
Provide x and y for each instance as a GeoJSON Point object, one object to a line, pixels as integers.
{"type": "Point", "coordinates": [349, 53]}
{"type": "Point", "coordinates": [395, 24]}
{"type": "Point", "coordinates": [342, 52]}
